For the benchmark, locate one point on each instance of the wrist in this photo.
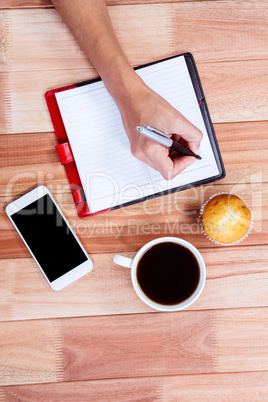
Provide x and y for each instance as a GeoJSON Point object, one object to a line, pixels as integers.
{"type": "Point", "coordinates": [123, 83]}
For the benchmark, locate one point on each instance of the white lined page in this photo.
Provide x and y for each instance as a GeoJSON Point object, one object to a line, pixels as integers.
{"type": "Point", "coordinates": [110, 175]}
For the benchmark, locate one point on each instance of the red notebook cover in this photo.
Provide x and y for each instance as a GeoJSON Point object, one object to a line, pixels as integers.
{"type": "Point", "coordinates": [65, 154]}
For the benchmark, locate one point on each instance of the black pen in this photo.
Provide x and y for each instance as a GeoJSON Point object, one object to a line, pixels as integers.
{"type": "Point", "coordinates": [164, 139]}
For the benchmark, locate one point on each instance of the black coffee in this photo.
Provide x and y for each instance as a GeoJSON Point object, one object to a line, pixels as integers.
{"type": "Point", "coordinates": [168, 273]}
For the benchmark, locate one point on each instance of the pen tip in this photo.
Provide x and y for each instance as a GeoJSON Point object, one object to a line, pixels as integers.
{"type": "Point", "coordinates": [138, 128]}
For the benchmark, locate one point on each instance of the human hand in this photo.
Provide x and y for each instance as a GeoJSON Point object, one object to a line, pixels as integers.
{"type": "Point", "coordinates": [139, 105]}
{"type": "Point", "coordinates": [143, 106]}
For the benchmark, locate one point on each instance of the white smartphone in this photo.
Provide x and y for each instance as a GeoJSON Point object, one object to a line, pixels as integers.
{"type": "Point", "coordinates": [49, 238]}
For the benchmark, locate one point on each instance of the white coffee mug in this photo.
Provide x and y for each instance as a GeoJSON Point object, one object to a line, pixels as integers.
{"type": "Point", "coordinates": [133, 263]}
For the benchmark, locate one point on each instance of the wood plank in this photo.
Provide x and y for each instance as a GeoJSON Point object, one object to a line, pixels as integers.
{"type": "Point", "coordinates": [150, 343]}
{"type": "Point", "coordinates": [30, 353]}
{"type": "Point", "coordinates": [134, 346]}
{"type": "Point", "coordinates": [28, 108]}
{"type": "Point", "coordinates": [128, 228]}
{"type": "Point", "coordinates": [9, 4]}
{"type": "Point", "coordinates": [243, 97]}
{"type": "Point", "coordinates": [211, 30]}
{"type": "Point", "coordinates": [235, 278]}
{"type": "Point", "coordinates": [234, 350]}
{"type": "Point", "coordinates": [237, 143]}
{"type": "Point", "coordinates": [31, 43]}
{"type": "Point", "coordinates": [27, 149]}
{"type": "Point", "coordinates": [4, 105]}
{"type": "Point", "coordinates": [235, 386]}
{"type": "Point", "coordinates": [225, 86]}
{"type": "Point", "coordinates": [221, 387]}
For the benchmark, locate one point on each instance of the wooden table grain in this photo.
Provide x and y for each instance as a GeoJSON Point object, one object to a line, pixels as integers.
{"type": "Point", "coordinates": [95, 340]}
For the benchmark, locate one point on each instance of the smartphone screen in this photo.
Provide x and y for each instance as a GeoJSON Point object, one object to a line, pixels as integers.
{"type": "Point", "coordinates": [49, 237]}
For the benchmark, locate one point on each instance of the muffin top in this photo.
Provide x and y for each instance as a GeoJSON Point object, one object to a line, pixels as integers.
{"type": "Point", "coordinates": [226, 218]}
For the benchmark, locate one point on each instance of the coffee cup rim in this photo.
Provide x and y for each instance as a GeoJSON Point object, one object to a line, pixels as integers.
{"type": "Point", "coordinates": [185, 303]}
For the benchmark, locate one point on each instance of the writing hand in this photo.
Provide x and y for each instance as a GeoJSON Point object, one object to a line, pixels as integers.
{"type": "Point", "coordinates": [143, 106]}
{"type": "Point", "coordinates": [91, 25]}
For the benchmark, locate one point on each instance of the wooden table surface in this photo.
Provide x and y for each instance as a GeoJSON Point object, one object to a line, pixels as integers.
{"type": "Point", "coordinates": [96, 340]}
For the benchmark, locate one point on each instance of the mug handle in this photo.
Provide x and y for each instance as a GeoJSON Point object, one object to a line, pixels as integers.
{"type": "Point", "coordinates": [124, 261]}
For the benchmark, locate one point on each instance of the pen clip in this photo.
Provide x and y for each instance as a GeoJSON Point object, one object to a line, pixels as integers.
{"type": "Point", "coordinates": [155, 130]}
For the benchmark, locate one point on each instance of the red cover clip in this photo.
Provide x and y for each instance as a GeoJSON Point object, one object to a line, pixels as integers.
{"type": "Point", "coordinates": [65, 153]}
{"type": "Point", "coordinates": [78, 197]}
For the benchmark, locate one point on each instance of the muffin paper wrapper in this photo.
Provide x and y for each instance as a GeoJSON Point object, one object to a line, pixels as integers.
{"type": "Point", "coordinates": [215, 241]}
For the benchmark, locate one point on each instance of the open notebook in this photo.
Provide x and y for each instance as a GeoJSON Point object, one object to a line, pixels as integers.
{"type": "Point", "coordinates": [110, 175]}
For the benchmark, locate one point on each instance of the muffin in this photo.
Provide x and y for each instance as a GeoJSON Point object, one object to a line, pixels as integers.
{"type": "Point", "coordinates": [225, 219]}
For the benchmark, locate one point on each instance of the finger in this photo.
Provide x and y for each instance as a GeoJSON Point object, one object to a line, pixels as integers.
{"type": "Point", "coordinates": [193, 145]}
{"type": "Point", "coordinates": [158, 156]}
{"type": "Point", "coordinates": [164, 166]}
{"type": "Point", "coordinates": [183, 142]}
{"type": "Point", "coordinates": [173, 154]}
{"type": "Point", "coordinates": [181, 163]}
{"type": "Point", "coordinates": [188, 132]}
{"type": "Point", "coordinates": [176, 137]}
